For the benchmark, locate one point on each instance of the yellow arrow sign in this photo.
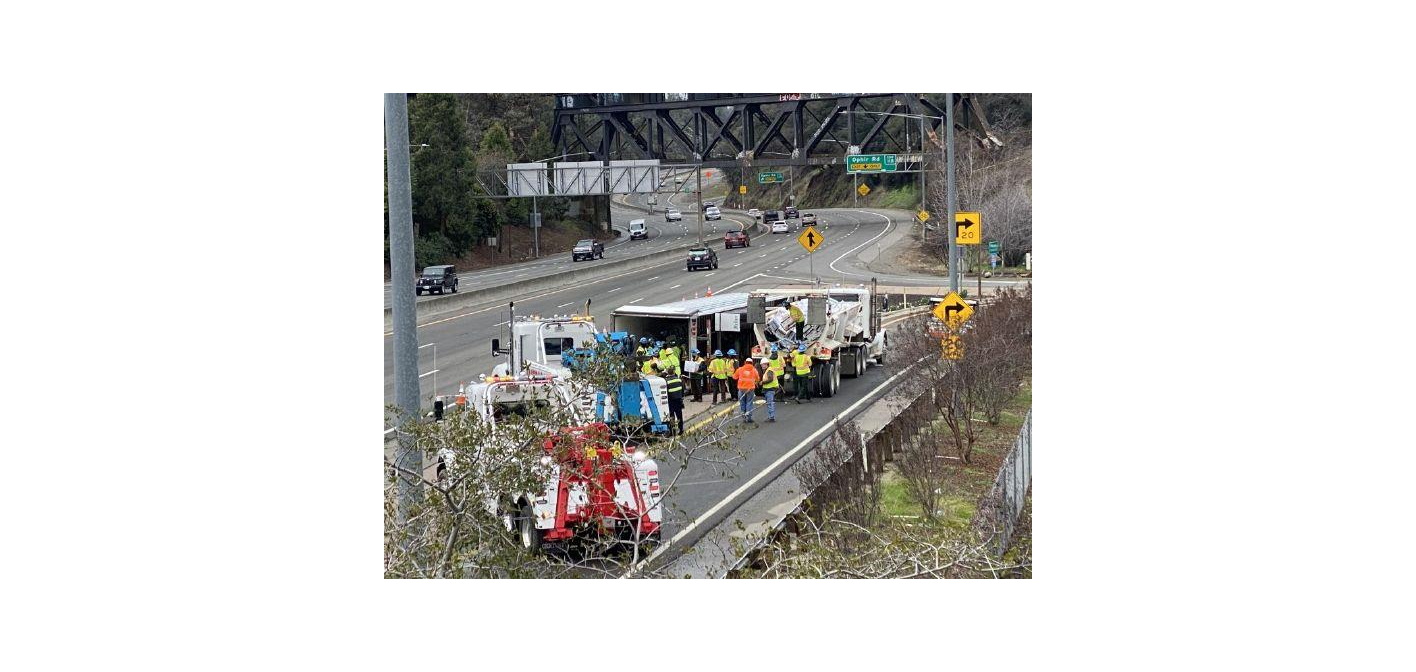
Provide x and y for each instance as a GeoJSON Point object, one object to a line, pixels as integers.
{"type": "Point", "coordinates": [923, 215]}
{"type": "Point", "coordinates": [811, 239]}
{"type": "Point", "coordinates": [742, 188]}
{"type": "Point", "coordinates": [969, 226]}
{"type": "Point", "coordinates": [953, 311]}
{"type": "Point", "coordinates": [863, 190]}
{"type": "Point", "coordinates": [953, 346]}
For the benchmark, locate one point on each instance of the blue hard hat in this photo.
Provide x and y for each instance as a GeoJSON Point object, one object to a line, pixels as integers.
{"type": "Point", "coordinates": [732, 353]}
{"type": "Point", "coordinates": [717, 353]}
{"type": "Point", "coordinates": [643, 339]}
{"type": "Point", "coordinates": [693, 351]}
{"type": "Point", "coordinates": [774, 347]}
{"type": "Point", "coordinates": [801, 348]}
{"type": "Point", "coordinates": [659, 344]}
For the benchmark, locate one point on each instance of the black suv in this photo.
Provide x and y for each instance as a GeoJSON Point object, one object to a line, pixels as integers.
{"type": "Point", "coordinates": [441, 278]}
{"type": "Point", "coordinates": [587, 249]}
{"type": "Point", "coordinates": [702, 257]}
{"type": "Point", "coordinates": [771, 216]}
{"type": "Point", "coordinates": [791, 213]}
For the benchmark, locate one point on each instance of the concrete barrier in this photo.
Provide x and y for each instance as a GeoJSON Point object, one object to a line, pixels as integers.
{"type": "Point", "coordinates": [593, 271]}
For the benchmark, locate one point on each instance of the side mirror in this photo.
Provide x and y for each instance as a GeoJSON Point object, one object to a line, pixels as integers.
{"type": "Point", "coordinates": [496, 348]}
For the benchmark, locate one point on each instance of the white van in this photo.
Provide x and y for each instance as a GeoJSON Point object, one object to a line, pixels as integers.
{"type": "Point", "coordinates": [638, 230]}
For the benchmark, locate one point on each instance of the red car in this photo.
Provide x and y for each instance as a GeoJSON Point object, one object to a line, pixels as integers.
{"type": "Point", "coordinates": [736, 239]}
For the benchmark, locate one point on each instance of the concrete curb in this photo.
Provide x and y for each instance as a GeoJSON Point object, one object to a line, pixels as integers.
{"type": "Point", "coordinates": [453, 302]}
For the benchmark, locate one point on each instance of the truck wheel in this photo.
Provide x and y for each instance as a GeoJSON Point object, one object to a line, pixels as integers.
{"type": "Point", "coordinates": [530, 536]}
{"type": "Point", "coordinates": [823, 379]}
{"type": "Point", "coordinates": [835, 378]}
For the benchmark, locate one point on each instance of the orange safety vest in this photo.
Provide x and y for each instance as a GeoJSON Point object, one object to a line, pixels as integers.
{"type": "Point", "coordinates": [747, 377]}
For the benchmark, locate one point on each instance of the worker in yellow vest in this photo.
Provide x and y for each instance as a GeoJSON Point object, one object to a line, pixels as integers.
{"type": "Point", "coordinates": [669, 357]}
{"type": "Point", "coordinates": [771, 382]}
{"type": "Point", "coordinates": [720, 368]}
{"type": "Point", "coordinates": [651, 365]}
{"type": "Point", "coordinates": [801, 372]}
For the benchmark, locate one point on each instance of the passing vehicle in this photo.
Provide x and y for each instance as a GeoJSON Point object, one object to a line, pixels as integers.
{"type": "Point", "coordinates": [712, 214]}
{"type": "Point", "coordinates": [709, 205]}
{"type": "Point", "coordinates": [779, 226]}
{"type": "Point", "coordinates": [755, 213]}
{"type": "Point", "coordinates": [736, 239]}
{"type": "Point", "coordinates": [702, 257]}
{"type": "Point", "coordinates": [587, 249]}
{"type": "Point", "coordinates": [791, 213]}
{"type": "Point", "coordinates": [440, 278]}
{"type": "Point", "coordinates": [772, 216]}
{"type": "Point", "coordinates": [637, 230]}
{"type": "Point", "coordinates": [808, 218]}
{"type": "Point", "coordinates": [673, 216]}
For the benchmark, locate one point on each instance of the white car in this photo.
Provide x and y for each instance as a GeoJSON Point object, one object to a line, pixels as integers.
{"type": "Point", "coordinates": [638, 230]}
{"type": "Point", "coordinates": [673, 216]}
{"type": "Point", "coordinates": [756, 214]}
{"type": "Point", "coordinates": [779, 226]}
{"type": "Point", "coordinates": [712, 214]}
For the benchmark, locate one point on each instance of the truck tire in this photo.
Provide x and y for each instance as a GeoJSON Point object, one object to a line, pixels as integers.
{"type": "Point", "coordinates": [529, 535]}
{"type": "Point", "coordinates": [835, 378]}
{"type": "Point", "coordinates": [827, 375]}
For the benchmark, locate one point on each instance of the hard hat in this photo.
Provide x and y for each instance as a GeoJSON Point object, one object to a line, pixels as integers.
{"type": "Point", "coordinates": [732, 353]}
{"type": "Point", "coordinates": [774, 347]}
{"type": "Point", "coordinates": [801, 348]}
{"type": "Point", "coordinates": [693, 351]}
{"type": "Point", "coordinates": [717, 353]}
{"type": "Point", "coordinates": [658, 344]}
{"type": "Point", "coordinates": [643, 339]}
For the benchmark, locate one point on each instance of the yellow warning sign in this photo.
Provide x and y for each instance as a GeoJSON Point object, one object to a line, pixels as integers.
{"type": "Point", "coordinates": [969, 227]}
{"type": "Point", "coordinates": [923, 216]}
{"type": "Point", "coordinates": [953, 346]}
{"type": "Point", "coordinates": [862, 190]}
{"type": "Point", "coordinates": [953, 311]}
{"type": "Point", "coordinates": [742, 188]}
{"type": "Point", "coordinates": [811, 239]}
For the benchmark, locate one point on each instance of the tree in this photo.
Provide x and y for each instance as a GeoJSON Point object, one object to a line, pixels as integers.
{"type": "Point", "coordinates": [443, 179]}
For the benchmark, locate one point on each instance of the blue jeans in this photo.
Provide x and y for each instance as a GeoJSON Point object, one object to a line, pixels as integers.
{"type": "Point", "coordinates": [745, 399]}
{"type": "Point", "coordinates": [771, 395]}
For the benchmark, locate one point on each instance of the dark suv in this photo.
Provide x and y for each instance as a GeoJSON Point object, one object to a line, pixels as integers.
{"type": "Point", "coordinates": [441, 278]}
{"type": "Point", "coordinates": [587, 249]}
{"type": "Point", "coordinates": [701, 257]}
{"type": "Point", "coordinates": [771, 216]}
{"type": "Point", "coordinates": [791, 213]}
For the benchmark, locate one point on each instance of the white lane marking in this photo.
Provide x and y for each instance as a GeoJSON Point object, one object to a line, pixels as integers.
{"type": "Point", "coordinates": [810, 440]}
{"type": "Point", "coordinates": [615, 290]}
{"type": "Point", "coordinates": [889, 225]}
{"type": "Point", "coordinates": [565, 304]}
{"type": "Point", "coordinates": [734, 266]}
{"type": "Point", "coordinates": [637, 300]}
{"type": "Point", "coordinates": [761, 255]}
{"type": "Point", "coordinates": [501, 323]}
{"type": "Point", "coordinates": [675, 286]}
{"type": "Point", "coordinates": [653, 278]}
{"type": "Point", "coordinates": [423, 375]}
{"type": "Point", "coordinates": [709, 273]}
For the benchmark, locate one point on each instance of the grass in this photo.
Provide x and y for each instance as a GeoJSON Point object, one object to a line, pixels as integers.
{"type": "Point", "coordinates": [896, 502]}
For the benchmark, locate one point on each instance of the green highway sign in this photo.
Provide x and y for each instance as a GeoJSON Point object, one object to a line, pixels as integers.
{"type": "Point", "coordinates": [870, 163]}
{"type": "Point", "coordinates": [770, 178]}
{"type": "Point", "coordinates": [993, 247]}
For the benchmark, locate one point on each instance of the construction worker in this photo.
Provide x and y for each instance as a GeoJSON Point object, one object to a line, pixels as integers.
{"type": "Point", "coordinates": [797, 318]}
{"type": "Point", "coordinates": [720, 368]}
{"type": "Point", "coordinates": [747, 378]}
{"type": "Point", "coordinates": [651, 365]}
{"type": "Point", "coordinates": [643, 348]}
{"type": "Point", "coordinates": [669, 357]}
{"type": "Point", "coordinates": [697, 376]}
{"type": "Point", "coordinates": [778, 364]}
{"type": "Point", "coordinates": [771, 383]}
{"type": "Point", "coordinates": [674, 388]}
{"type": "Point", "coordinates": [801, 372]}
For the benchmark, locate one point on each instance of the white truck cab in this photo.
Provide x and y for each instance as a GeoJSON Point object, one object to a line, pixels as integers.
{"type": "Point", "coordinates": [541, 343]}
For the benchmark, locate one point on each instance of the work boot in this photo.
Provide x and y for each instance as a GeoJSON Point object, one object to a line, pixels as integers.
{"type": "Point", "coordinates": [771, 419]}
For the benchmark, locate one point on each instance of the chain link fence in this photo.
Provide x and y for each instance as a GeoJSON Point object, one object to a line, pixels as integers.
{"type": "Point", "coordinates": [1000, 508]}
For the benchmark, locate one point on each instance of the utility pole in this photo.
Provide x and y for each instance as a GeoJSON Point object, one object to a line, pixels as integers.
{"type": "Point", "coordinates": [923, 183]}
{"type": "Point", "coordinates": [536, 227]}
{"type": "Point", "coordinates": [950, 193]}
{"type": "Point", "coordinates": [698, 177]}
{"type": "Point", "coordinates": [405, 333]}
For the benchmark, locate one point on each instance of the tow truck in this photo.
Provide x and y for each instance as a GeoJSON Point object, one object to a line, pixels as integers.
{"type": "Point", "coordinates": [594, 484]}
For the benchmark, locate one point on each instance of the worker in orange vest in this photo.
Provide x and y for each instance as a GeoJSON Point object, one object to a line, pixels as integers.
{"type": "Point", "coordinates": [747, 377]}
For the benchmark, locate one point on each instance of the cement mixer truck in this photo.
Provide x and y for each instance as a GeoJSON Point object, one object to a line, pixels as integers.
{"type": "Point", "coordinates": [840, 327]}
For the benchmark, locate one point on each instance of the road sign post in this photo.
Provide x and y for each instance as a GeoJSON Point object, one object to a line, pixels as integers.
{"type": "Point", "coordinates": [811, 239]}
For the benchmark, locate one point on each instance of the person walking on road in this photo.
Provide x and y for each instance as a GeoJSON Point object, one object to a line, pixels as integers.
{"type": "Point", "coordinates": [674, 388]}
{"type": "Point", "coordinates": [747, 377]}
{"type": "Point", "coordinates": [771, 382]}
{"type": "Point", "coordinates": [695, 377]}
{"type": "Point", "coordinates": [801, 373]}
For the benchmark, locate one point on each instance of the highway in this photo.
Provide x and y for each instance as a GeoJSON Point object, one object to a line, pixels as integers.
{"type": "Point", "coordinates": [663, 235]}
{"type": "Point", "coordinates": [852, 237]}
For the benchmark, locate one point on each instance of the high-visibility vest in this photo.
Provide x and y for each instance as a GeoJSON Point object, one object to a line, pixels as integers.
{"type": "Point", "coordinates": [700, 372]}
{"type": "Point", "coordinates": [775, 378]}
{"type": "Point", "coordinates": [777, 365]}
{"type": "Point", "coordinates": [720, 368]}
{"type": "Point", "coordinates": [802, 363]}
{"type": "Point", "coordinates": [675, 386]}
{"type": "Point", "coordinates": [671, 359]}
{"type": "Point", "coordinates": [747, 376]}
{"type": "Point", "coordinates": [796, 314]}
{"type": "Point", "coordinates": [649, 366]}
